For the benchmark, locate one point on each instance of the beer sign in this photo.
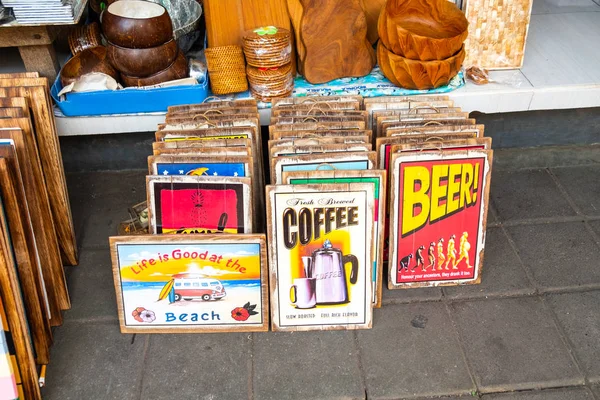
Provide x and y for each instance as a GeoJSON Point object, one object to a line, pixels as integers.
{"type": "Point", "coordinates": [439, 204]}
{"type": "Point", "coordinates": [321, 255]}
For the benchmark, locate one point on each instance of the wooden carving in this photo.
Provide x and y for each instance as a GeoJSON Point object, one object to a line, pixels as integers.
{"type": "Point", "coordinates": [334, 33]}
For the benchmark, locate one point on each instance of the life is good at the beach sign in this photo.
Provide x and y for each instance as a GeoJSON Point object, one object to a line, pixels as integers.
{"type": "Point", "coordinates": [191, 283]}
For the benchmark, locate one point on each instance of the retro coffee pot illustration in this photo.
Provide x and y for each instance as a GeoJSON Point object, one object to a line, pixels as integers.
{"type": "Point", "coordinates": [327, 267]}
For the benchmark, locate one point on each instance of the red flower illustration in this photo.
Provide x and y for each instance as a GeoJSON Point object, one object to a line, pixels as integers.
{"type": "Point", "coordinates": [240, 314]}
{"type": "Point", "coordinates": [243, 313]}
{"type": "Point", "coordinates": [137, 312]}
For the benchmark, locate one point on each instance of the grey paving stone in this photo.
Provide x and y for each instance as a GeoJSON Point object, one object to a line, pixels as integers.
{"type": "Point", "coordinates": [583, 186]}
{"type": "Point", "coordinates": [413, 295]}
{"type": "Point", "coordinates": [596, 390]}
{"type": "Point", "coordinates": [574, 393]}
{"type": "Point", "coordinates": [99, 201]}
{"type": "Point", "coordinates": [211, 367]}
{"type": "Point", "coordinates": [544, 157]}
{"type": "Point", "coordinates": [595, 225]}
{"type": "Point", "coordinates": [560, 256]}
{"type": "Point", "coordinates": [94, 361]}
{"type": "Point", "coordinates": [411, 352]}
{"type": "Point", "coordinates": [513, 344]}
{"type": "Point", "coordinates": [91, 287]}
{"type": "Point", "coordinates": [306, 365]}
{"type": "Point", "coordinates": [527, 194]}
{"type": "Point", "coordinates": [502, 274]}
{"type": "Point", "coordinates": [579, 318]}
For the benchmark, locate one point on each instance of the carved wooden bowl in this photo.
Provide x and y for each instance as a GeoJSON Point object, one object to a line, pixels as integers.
{"type": "Point", "coordinates": [89, 60]}
{"type": "Point", "coordinates": [177, 70]}
{"type": "Point", "coordinates": [422, 29]}
{"type": "Point", "coordinates": [142, 62]}
{"type": "Point", "coordinates": [416, 74]}
{"type": "Point", "coordinates": [137, 24]}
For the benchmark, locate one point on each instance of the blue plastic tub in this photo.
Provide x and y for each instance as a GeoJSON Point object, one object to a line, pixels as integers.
{"type": "Point", "coordinates": [128, 101]}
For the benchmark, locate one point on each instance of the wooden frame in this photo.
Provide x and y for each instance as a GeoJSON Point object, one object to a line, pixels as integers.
{"type": "Point", "coordinates": [36, 90]}
{"type": "Point", "coordinates": [484, 143]}
{"type": "Point", "coordinates": [166, 256]}
{"type": "Point", "coordinates": [317, 134]}
{"type": "Point", "coordinates": [292, 101]}
{"type": "Point", "coordinates": [383, 144]}
{"type": "Point", "coordinates": [277, 151]}
{"type": "Point", "coordinates": [205, 151]}
{"type": "Point", "coordinates": [407, 103]}
{"type": "Point", "coordinates": [191, 144]}
{"type": "Point", "coordinates": [26, 256]}
{"type": "Point", "coordinates": [210, 114]}
{"type": "Point", "coordinates": [443, 224]}
{"type": "Point", "coordinates": [435, 130]}
{"type": "Point", "coordinates": [11, 112]}
{"type": "Point", "coordinates": [325, 106]}
{"type": "Point", "coordinates": [317, 141]}
{"type": "Point", "coordinates": [199, 158]}
{"type": "Point", "coordinates": [41, 215]}
{"type": "Point", "coordinates": [343, 161]}
{"type": "Point", "coordinates": [330, 299]}
{"type": "Point", "coordinates": [385, 122]}
{"type": "Point", "coordinates": [10, 294]}
{"type": "Point", "coordinates": [227, 121]}
{"type": "Point", "coordinates": [316, 126]}
{"type": "Point", "coordinates": [242, 189]}
{"type": "Point", "coordinates": [378, 177]}
{"type": "Point", "coordinates": [208, 105]}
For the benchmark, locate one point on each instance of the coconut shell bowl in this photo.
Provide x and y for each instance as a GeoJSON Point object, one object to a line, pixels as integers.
{"type": "Point", "coordinates": [422, 29]}
{"type": "Point", "coordinates": [137, 24]}
{"type": "Point", "coordinates": [93, 59]}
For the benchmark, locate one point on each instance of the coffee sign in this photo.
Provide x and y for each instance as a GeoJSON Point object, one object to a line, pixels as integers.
{"type": "Point", "coordinates": [321, 239]}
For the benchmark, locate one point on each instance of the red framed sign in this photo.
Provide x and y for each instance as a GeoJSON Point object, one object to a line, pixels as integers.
{"type": "Point", "coordinates": [439, 203]}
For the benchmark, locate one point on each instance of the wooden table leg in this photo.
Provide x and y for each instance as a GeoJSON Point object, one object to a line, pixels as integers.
{"type": "Point", "coordinates": [41, 58]}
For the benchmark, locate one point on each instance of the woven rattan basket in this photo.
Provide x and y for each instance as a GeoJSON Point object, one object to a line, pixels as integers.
{"type": "Point", "coordinates": [227, 69]}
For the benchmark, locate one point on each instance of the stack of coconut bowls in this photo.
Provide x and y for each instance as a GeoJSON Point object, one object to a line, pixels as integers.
{"type": "Point", "coordinates": [421, 42]}
{"type": "Point", "coordinates": [141, 44]}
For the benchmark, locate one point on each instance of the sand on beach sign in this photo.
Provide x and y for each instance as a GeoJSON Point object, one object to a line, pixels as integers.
{"type": "Point", "coordinates": [191, 283]}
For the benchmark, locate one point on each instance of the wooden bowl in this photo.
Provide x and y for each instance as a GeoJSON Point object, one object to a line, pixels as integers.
{"type": "Point", "coordinates": [85, 36]}
{"type": "Point", "coordinates": [177, 70]}
{"type": "Point", "coordinates": [137, 24]}
{"type": "Point", "coordinates": [89, 60]}
{"type": "Point", "coordinates": [416, 74]}
{"type": "Point", "coordinates": [422, 29]}
{"type": "Point", "coordinates": [142, 62]}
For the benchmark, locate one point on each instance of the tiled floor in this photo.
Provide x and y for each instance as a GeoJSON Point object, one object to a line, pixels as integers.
{"type": "Point", "coordinates": [530, 331]}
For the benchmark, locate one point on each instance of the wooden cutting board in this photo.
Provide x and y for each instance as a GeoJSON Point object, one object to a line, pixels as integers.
{"type": "Point", "coordinates": [227, 20]}
{"type": "Point", "coordinates": [372, 9]}
{"type": "Point", "coordinates": [295, 11]}
{"type": "Point", "coordinates": [334, 33]}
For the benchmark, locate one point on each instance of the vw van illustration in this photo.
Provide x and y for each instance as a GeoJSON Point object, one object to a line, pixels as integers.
{"type": "Point", "coordinates": [193, 286]}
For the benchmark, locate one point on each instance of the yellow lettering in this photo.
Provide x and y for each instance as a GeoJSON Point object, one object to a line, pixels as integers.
{"type": "Point", "coordinates": [438, 191]}
{"type": "Point", "coordinates": [453, 188]}
{"type": "Point", "coordinates": [465, 187]}
{"type": "Point", "coordinates": [415, 197]}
